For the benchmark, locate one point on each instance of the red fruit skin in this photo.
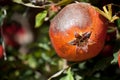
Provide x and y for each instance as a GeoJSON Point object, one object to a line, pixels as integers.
{"type": "Point", "coordinates": [80, 18]}
{"type": "Point", "coordinates": [107, 50]}
{"type": "Point", "coordinates": [1, 51]}
{"type": "Point", "coordinates": [16, 35]}
{"type": "Point", "coordinates": [119, 58]}
{"type": "Point", "coordinates": [9, 31]}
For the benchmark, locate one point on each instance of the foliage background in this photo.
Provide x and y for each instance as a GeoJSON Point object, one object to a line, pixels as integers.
{"type": "Point", "coordinates": [37, 60]}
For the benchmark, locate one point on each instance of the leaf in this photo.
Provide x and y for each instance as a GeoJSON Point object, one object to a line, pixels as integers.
{"type": "Point", "coordinates": [102, 64]}
{"type": "Point", "coordinates": [69, 75]}
{"type": "Point", "coordinates": [118, 23]}
{"type": "Point", "coordinates": [57, 74]}
{"type": "Point", "coordinates": [78, 77]}
{"type": "Point", "coordinates": [99, 65]}
{"type": "Point", "coordinates": [44, 46]}
{"type": "Point", "coordinates": [32, 62]}
{"type": "Point", "coordinates": [18, 1]}
{"type": "Point", "coordinates": [64, 2]}
{"type": "Point", "coordinates": [39, 19]}
{"type": "Point", "coordinates": [115, 60]}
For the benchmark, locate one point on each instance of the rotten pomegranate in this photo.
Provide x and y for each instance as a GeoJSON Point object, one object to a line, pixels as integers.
{"type": "Point", "coordinates": [78, 32]}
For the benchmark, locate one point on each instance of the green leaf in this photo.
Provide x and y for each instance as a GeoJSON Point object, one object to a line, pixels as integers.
{"type": "Point", "coordinates": [118, 24]}
{"type": "Point", "coordinates": [40, 18]}
{"type": "Point", "coordinates": [99, 65]}
{"type": "Point", "coordinates": [57, 74]}
{"type": "Point", "coordinates": [18, 1]}
{"type": "Point", "coordinates": [115, 60]}
{"type": "Point", "coordinates": [69, 75]}
{"type": "Point", "coordinates": [32, 62]}
{"type": "Point", "coordinates": [78, 77]}
{"type": "Point", "coordinates": [44, 46]}
{"type": "Point", "coordinates": [102, 64]}
{"type": "Point", "coordinates": [64, 2]}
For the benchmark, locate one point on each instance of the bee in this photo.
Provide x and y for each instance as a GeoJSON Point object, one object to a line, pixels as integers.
{"type": "Point", "coordinates": [81, 41]}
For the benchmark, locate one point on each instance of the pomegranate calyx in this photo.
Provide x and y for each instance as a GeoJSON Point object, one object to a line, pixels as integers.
{"type": "Point", "coordinates": [81, 41]}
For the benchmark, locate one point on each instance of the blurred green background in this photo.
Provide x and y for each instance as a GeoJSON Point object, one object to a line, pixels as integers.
{"type": "Point", "coordinates": [30, 55]}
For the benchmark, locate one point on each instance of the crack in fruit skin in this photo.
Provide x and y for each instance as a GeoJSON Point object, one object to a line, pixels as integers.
{"type": "Point", "coordinates": [81, 40]}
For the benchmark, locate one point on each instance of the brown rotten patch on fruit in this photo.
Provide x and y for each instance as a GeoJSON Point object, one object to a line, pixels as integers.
{"type": "Point", "coordinates": [78, 32]}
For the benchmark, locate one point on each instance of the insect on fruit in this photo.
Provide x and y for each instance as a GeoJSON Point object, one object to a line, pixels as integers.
{"type": "Point", "coordinates": [78, 32]}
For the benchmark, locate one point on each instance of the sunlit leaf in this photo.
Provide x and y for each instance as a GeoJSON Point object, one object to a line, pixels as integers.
{"type": "Point", "coordinates": [32, 62]}
{"type": "Point", "coordinates": [18, 1]}
{"type": "Point", "coordinates": [69, 75]}
{"type": "Point", "coordinates": [57, 74]}
{"type": "Point", "coordinates": [115, 60]}
{"type": "Point", "coordinates": [64, 2]}
{"type": "Point", "coordinates": [46, 58]}
{"type": "Point", "coordinates": [40, 18]}
{"type": "Point", "coordinates": [44, 46]}
{"type": "Point", "coordinates": [78, 77]}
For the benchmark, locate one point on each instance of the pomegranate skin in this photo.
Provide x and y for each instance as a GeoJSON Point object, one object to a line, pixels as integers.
{"type": "Point", "coordinates": [1, 51]}
{"type": "Point", "coordinates": [77, 18]}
